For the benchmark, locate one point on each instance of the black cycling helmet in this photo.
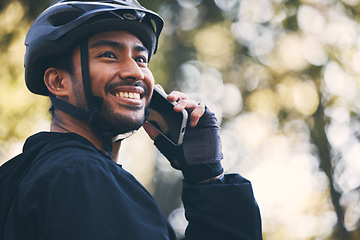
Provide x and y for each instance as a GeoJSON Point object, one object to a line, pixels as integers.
{"type": "Point", "coordinates": [66, 23]}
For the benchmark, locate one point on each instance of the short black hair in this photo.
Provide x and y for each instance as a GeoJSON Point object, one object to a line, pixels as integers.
{"type": "Point", "coordinates": [62, 61]}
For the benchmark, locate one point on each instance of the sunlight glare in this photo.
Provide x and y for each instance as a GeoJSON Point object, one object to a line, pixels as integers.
{"type": "Point", "coordinates": [310, 20]}
{"type": "Point", "coordinates": [338, 134]}
{"type": "Point", "coordinates": [314, 51]}
{"type": "Point", "coordinates": [254, 128]}
{"type": "Point", "coordinates": [259, 11]}
{"type": "Point", "coordinates": [263, 101]}
{"type": "Point", "coordinates": [305, 97]}
{"type": "Point", "coordinates": [215, 46]}
{"type": "Point", "coordinates": [339, 82]}
{"type": "Point", "coordinates": [232, 101]}
{"type": "Point", "coordinates": [289, 52]}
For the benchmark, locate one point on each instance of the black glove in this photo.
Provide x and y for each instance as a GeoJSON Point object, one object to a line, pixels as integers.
{"type": "Point", "coordinates": [199, 156]}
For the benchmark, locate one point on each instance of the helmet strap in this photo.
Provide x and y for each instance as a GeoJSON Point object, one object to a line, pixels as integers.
{"type": "Point", "coordinates": [93, 103]}
{"type": "Point", "coordinates": [94, 108]}
{"type": "Point", "coordinates": [69, 108]}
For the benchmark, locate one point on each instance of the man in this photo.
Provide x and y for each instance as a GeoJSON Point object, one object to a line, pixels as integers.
{"type": "Point", "coordinates": [91, 58]}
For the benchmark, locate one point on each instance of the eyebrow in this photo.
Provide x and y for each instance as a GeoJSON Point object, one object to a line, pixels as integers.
{"type": "Point", "coordinates": [101, 43]}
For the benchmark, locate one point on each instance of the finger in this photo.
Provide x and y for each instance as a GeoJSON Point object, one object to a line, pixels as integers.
{"type": "Point", "coordinates": [196, 114]}
{"type": "Point", "coordinates": [187, 104]}
{"type": "Point", "coordinates": [176, 96]}
{"type": "Point", "coordinates": [195, 110]}
{"type": "Point", "coordinates": [183, 102]}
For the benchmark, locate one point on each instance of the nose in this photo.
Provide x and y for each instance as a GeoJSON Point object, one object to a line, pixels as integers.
{"type": "Point", "coordinates": [131, 70]}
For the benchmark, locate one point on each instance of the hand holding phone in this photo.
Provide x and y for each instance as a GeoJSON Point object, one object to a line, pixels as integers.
{"type": "Point", "coordinates": [165, 119]}
{"type": "Point", "coordinates": [199, 156]}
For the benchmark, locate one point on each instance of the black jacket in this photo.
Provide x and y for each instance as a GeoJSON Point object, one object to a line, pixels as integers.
{"type": "Point", "coordinates": [74, 191]}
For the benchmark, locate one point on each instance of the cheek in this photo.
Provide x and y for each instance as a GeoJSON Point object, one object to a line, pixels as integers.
{"type": "Point", "coordinates": [149, 80]}
{"type": "Point", "coordinates": [98, 81]}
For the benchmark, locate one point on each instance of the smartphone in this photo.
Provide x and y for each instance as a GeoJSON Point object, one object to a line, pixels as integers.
{"type": "Point", "coordinates": [162, 116]}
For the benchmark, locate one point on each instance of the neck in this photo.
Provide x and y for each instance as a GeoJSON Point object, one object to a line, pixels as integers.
{"type": "Point", "coordinates": [65, 123]}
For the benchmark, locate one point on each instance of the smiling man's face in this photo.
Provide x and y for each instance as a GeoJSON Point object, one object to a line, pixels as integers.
{"type": "Point", "coordinates": [119, 74]}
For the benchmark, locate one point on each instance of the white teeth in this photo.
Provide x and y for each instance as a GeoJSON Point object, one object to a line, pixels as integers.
{"type": "Point", "coordinates": [128, 95]}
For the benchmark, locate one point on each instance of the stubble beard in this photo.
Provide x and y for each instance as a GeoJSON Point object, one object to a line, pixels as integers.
{"type": "Point", "coordinates": [111, 121]}
{"type": "Point", "coordinates": [121, 123]}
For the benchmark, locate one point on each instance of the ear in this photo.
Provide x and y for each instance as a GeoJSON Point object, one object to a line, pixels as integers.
{"type": "Point", "coordinates": [57, 82]}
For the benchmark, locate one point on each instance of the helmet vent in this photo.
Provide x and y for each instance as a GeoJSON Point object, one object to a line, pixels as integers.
{"type": "Point", "coordinates": [63, 17]}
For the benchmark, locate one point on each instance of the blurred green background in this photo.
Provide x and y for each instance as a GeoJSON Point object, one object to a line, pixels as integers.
{"type": "Point", "coordinates": [281, 76]}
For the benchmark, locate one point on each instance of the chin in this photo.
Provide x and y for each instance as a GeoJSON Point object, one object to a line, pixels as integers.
{"type": "Point", "coordinates": [125, 123]}
{"type": "Point", "coordinates": [124, 119]}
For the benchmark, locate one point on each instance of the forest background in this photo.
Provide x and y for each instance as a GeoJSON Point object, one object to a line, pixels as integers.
{"type": "Point", "coordinates": [281, 76]}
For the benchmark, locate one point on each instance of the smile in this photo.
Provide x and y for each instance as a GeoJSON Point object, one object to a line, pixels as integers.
{"type": "Point", "coordinates": [130, 95]}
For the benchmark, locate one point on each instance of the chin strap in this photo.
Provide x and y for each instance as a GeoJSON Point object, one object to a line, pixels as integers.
{"type": "Point", "coordinates": [94, 103]}
{"type": "Point", "coordinates": [122, 136]}
{"type": "Point", "coordinates": [69, 108]}
{"type": "Point", "coordinates": [94, 117]}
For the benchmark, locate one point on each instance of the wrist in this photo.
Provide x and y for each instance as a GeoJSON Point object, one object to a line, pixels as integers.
{"type": "Point", "coordinates": [219, 177]}
{"type": "Point", "coordinates": [202, 172]}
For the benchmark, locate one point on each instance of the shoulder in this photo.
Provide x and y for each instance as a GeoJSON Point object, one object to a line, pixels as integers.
{"type": "Point", "coordinates": [66, 157]}
{"type": "Point", "coordinates": [62, 149]}
{"type": "Point", "coordinates": [66, 151]}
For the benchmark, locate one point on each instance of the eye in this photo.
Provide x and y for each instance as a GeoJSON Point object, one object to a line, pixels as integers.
{"type": "Point", "coordinates": [108, 55]}
{"type": "Point", "coordinates": [141, 59]}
